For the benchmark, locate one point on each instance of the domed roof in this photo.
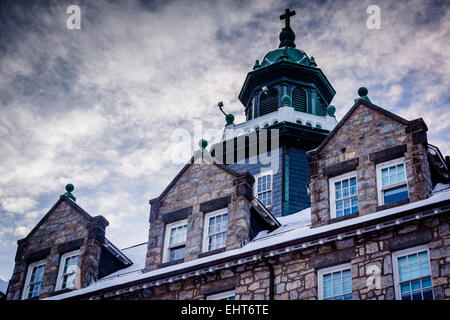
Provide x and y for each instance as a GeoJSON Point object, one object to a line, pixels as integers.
{"type": "Point", "coordinates": [286, 52]}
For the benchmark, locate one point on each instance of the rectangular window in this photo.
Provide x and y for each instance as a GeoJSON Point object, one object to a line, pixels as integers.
{"type": "Point", "coordinates": [412, 274]}
{"type": "Point", "coordinates": [215, 231]}
{"type": "Point", "coordinates": [175, 242]}
{"type": "Point", "coordinates": [68, 271]}
{"type": "Point", "coordinates": [343, 195]}
{"type": "Point", "coordinates": [335, 283]}
{"type": "Point", "coordinates": [392, 186]}
{"type": "Point", "coordinates": [33, 280]}
{"type": "Point", "coordinates": [263, 188]}
{"type": "Point", "coordinates": [228, 295]}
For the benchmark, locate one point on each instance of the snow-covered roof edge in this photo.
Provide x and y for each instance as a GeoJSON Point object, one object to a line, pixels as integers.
{"type": "Point", "coordinates": [265, 244]}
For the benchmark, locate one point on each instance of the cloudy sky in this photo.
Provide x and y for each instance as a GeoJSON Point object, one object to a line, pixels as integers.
{"type": "Point", "coordinates": [98, 107]}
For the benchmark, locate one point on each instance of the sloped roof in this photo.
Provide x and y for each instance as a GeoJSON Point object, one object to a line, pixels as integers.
{"type": "Point", "coordinates": [350, 112]}
{"type": "Point", "coordinates": [186, 167]}
{"type": "Point", "coordinates": [63, 198]}
{"type": "Point", "coordinates": [295, 231]}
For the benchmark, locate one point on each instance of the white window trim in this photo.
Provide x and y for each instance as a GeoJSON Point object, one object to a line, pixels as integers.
{"type": "Point", "coordinates": [28, 277]}
{"type": "Point", "coordinates": [255, 191]}
{"type": "Point", "coordinates": [385, 165]}
{"type": "Point", "coordinates": [405, 252]}
{"type": "Point", "coordinates": [332, 189]}
{"type": "Point", "coordinates": [62, 262]}
{"type": "Point", "coordinates": [206, 226]}
{"type": "Point", "coordinates": [221, 295]}
{"type": "Point", "coordinates": [166, 255]}
{"type": "Point", "coordinates": [321, 272]}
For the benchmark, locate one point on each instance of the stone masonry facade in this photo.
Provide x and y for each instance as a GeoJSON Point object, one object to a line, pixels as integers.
{"type": "Point", "coordinates": [366, 137]}
{"type": "Point", "coordinates": [294, 275]}
{"type": "Point", "coordinates": [65, 229]}
{"type": "Point", "coordinates": [202, 188]}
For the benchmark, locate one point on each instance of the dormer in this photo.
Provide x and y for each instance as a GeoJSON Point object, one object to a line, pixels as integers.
{"type": "Point", "coordinates": [206, 209]}
{"type": "Point", "coordinates": [373, 160]}
{"type": "Point", "coordinates": [66, 250]}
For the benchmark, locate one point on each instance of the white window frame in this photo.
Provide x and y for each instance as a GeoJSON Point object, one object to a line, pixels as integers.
{"type": "Point", "coordinates": [332, 269]}
{"type": "Point", "coordinates": [166, 252]}
{"type": "Point", "coordinates": [28, 277]}
{"type": "Point", "coordinates": [255, 191]}
{"type": "Point", "coordinates": [395, 255]}
{"type": "Point", "coordinates": [62, 262]}
{"type": "Point", "coordinates": [332, 189]}
{"type": "Point", "coordinates": [384, 165]}
{"type": "Point", "coordinates": [221, 295]}
{"type": "Point", "coordinates": [206, 227]}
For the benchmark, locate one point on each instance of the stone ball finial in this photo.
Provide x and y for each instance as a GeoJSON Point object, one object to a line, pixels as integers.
{"type": "Point", "coordinates": [331, 110]}
{"type": "Point", "coordinates": [363, 91]}
{"type": "Point", "coordinates": [69, 187]}
{"type": "Point", "coordinates": [203, 143]}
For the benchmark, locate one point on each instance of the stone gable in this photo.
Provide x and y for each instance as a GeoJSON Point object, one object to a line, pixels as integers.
{"type": "Point", "coordinates": [62, 230]}
{"type": "Point", "coordinates": [201, 188]}
{"type": "Point", "coordinates": [365, 138]}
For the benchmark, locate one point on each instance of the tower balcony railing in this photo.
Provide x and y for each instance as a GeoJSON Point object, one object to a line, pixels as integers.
{"type": "Point", "coordinates": [288, 114]}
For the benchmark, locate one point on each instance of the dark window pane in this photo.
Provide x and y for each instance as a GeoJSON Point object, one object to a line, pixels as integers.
{"type": "Point", "coordinates": [396, 194]}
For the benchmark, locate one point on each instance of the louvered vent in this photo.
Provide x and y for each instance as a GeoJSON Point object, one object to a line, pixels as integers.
{"type": "Point", "coordinates": [299, 99]}
{"type": "Point", "coordinates": [249, 111]}
{"type": "Point", "coordinates": [268, 102]}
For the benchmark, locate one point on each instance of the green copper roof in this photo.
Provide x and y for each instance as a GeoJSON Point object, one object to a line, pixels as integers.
{"type": "Point", "coordinates": [289, 54]}
{"type": "Point", "coordinates": [286, 50]}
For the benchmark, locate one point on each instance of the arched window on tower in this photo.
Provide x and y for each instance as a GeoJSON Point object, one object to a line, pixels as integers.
{"type": "Point", "coordinates": [268, 102]}
{"type": "Point", "coordinates": [321, 108]}
{"type": "Point", "coordinates": [299, 99]}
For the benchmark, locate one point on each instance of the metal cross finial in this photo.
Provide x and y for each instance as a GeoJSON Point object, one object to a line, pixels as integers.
{"type": "Point", "coordinates": [286, 16]}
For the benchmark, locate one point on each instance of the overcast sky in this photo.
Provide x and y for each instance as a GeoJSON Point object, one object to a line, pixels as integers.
{"type": "Point", "coordinates": [97, 107]}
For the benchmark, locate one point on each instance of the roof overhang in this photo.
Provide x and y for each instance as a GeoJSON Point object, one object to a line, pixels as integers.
{"type": "Point", "coordinates": [286, 71]}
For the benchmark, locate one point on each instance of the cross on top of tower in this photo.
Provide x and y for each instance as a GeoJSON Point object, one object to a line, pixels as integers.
{"type": "Point", "coordinates": [287, 16]}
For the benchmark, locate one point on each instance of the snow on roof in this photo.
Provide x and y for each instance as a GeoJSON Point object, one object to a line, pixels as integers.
{"type": "Point", "coordinates": [441, 187]}
{"type": "Point", "coordinates": [301, 219]}
{"type": "Point", "coordinates": [137, 255]}
{"type": "Point", "coordinates": [3, 286]}
{"type": "Point", "coordinates": [294, 229]}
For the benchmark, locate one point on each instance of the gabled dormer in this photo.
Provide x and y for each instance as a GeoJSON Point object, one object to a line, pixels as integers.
{"type": "Point", "coordinates": [66, 250]}
{"type": "Point", "coordinates": [206, 209]}
{"type": "Point", "coordinates": [373, 160]}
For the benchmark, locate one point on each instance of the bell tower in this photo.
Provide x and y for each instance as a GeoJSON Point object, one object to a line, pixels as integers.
{"type": "Point", "coordinates": [288, 95]}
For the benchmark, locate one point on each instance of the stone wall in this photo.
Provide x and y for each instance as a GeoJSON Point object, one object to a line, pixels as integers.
{"type": "Point", "coordinates": [200, 189]}
{"type": "Point", "coordinates": [365, 137]}
{"type": "Point", "coordinates": [64, 230]}
{"type": "Point", "coordinates": [295, 273]}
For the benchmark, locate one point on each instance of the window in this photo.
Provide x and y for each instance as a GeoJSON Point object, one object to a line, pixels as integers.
{"type": "Point", "coordinates": [343, 195]}
{"type": "Point", "coordinates": [33, 281]}
{"type": "Point", "coordinates": [335, 283]}
{"type": "Point", "coordinates": [263, 189]}
{"type": "Point", "coordinates": [268, 102]}
{"type": "Point", "coordinates": [299, 99]}
{"type": "Point", "coordinates": [215, 230]}
{"type": "Point", "coordinates": [391, 178]}
{"type": "Point", "coordinates": [228, 295]}
{"type": "Point", "coordinates": [68, 271]}
{"type": "Point", "coordinates": [412, 274]}
{"type": "Point", "coordinates": [175, 242]}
